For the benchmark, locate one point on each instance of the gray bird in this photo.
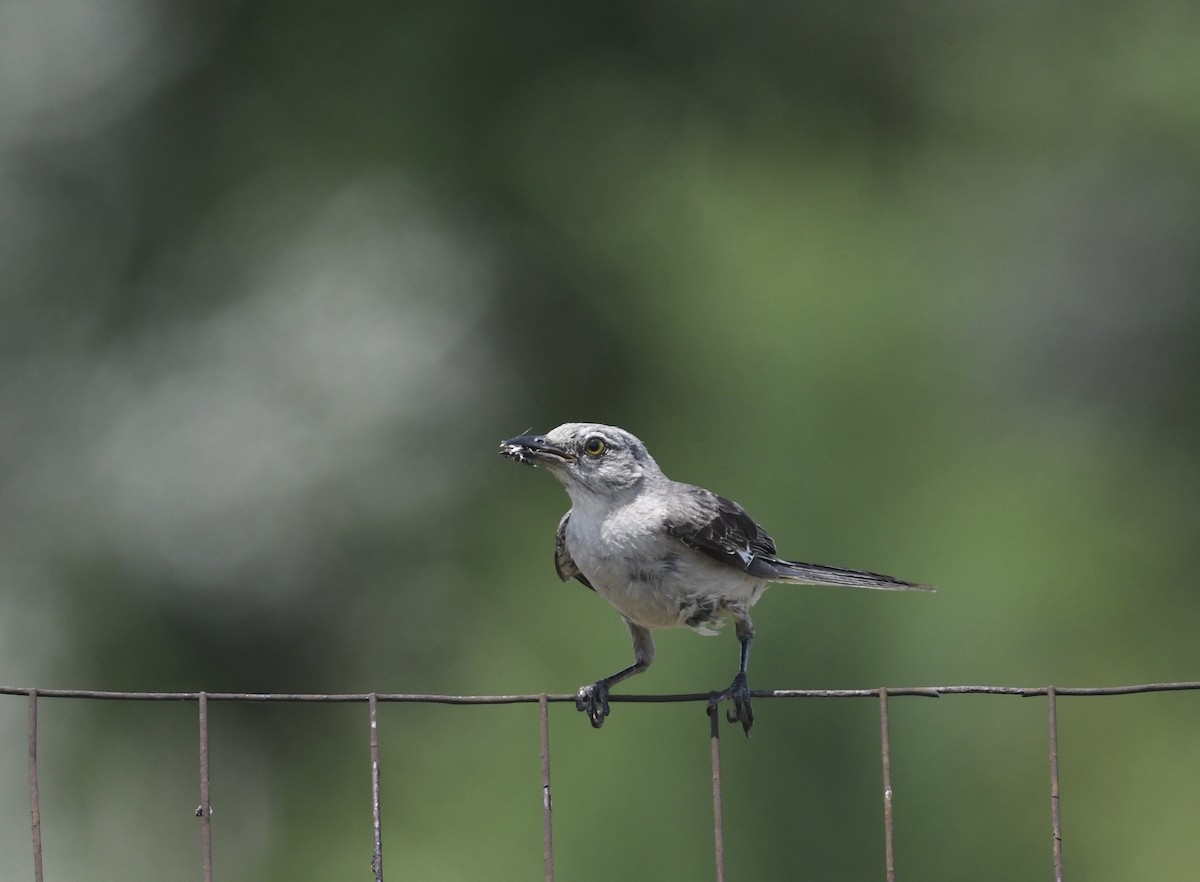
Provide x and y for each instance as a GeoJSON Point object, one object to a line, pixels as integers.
{"type": "Point", "coordinates": [665, 554]}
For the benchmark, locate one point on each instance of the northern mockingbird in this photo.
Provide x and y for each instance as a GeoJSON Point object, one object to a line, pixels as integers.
{"type": "Point", "coordinates": [665, 554]}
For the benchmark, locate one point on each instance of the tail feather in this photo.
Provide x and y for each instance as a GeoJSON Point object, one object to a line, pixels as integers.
{"type": "Point", "coordinates": [816, 574]}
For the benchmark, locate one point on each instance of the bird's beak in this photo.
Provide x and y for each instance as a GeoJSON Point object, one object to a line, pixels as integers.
{"type": "Point", "coordinates": [533, 449]}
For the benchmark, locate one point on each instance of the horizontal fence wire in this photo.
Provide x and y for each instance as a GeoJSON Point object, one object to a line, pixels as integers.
{"type": "Point", "coordinates": [543, 700]}
{"type": "Point", "coordinates": [569, 697]}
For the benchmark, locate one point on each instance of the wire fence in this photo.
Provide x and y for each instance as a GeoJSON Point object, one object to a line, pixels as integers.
{"type": "Point", "coordinates": [372, 699]}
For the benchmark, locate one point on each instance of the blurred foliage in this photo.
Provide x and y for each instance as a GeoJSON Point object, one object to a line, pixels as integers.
{"type": "Point", "coordinates": [915, 282]}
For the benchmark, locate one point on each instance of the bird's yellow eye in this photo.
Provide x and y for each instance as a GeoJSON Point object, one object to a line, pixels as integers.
{"type": "Point", "coordinates": [594, 446]}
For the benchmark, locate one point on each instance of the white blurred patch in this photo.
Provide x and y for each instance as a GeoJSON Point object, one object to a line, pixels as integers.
{"type": "Point", "coordinates": [232, 439]}
{"type": "Point", "coordinates": [68, 67]}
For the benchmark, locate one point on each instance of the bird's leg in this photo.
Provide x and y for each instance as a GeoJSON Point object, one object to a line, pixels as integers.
{"type": "Point", "coordinates": [593, 699]}
{"type": "Point", "coordinates": [739, 690]}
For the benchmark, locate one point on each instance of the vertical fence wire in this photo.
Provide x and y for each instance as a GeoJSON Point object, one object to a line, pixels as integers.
{"type": "Point", "coordinates": [376, 821]}
{"type": "Point", "coordinates": [35, 805]}
{"type": "Point", "coordinates": [547, 802]}
{"type": "Point", "coordinates": [718, 812]}
{"type": "Point", "coordinates": [889, 832]}
{"type": "Point", "coordinates": [1055, 816]}
{"type": "Point", "coordinates": [205, 809]}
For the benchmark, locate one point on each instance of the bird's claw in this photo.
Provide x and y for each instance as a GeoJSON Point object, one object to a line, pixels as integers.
{"type": "Point", "coordinates": [742, 710]}
{"type": "Point", "coordinates": [593, 701]}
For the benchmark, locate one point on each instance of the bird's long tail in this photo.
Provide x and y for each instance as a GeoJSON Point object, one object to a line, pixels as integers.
{"type": "Point", "coordinates": [816, 574]}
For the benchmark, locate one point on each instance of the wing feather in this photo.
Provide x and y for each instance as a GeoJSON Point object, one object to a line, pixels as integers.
{"type": "Point", "coordinates": [564, 564]}
{"type": "Point", "coordinates": [722, 529]}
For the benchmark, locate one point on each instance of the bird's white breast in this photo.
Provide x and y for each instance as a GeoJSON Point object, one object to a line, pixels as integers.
{"type": "Point", "coordinates": [651, 577]}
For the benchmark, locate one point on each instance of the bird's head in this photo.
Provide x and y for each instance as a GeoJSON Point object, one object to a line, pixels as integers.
{"type": "Point", "coordinates": [589, 458]}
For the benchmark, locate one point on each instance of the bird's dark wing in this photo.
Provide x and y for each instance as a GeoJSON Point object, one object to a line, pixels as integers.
{"type": "Point", "coordinates": [720, 528]}
{"type": "Point", "coordinates": [564, 565]}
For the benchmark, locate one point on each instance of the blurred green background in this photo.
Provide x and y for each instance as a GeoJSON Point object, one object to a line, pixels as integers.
{"type": "Point", "coordinates": [917, 283]}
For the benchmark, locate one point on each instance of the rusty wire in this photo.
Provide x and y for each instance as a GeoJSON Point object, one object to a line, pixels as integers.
{"type": "Point", "coordinates": [376, 819]}
{"type": "Point", "coordinates": [1055, 815]}
{"type": "Point", "coordinates": [714, 738]}
{"type": "Point", "coordinates": [547, 801]}
{"type": "Point", "coordinates": [543, 700]}
{"type": "Point", "coordinates": [561, 697]}
{"type": "Point", "coordinates": [204, 811]}
{"type": "Point", "coordinates": [35, 808]}
{"type": "Point", "coordinates": [889, 831]}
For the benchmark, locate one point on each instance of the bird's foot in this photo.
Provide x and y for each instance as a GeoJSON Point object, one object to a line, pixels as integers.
{"type": "Point", "coordinates": [593, 701]}
{"type": "Point", "coordinates": [739, 693]}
